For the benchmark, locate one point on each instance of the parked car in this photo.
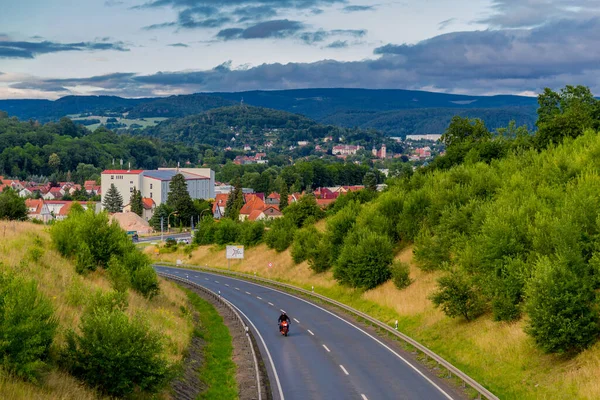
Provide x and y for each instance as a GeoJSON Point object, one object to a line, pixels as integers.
{"type": "Point", "coordinates": [183, 241]}
{"type": "Point", "coordinates": [170, 242]}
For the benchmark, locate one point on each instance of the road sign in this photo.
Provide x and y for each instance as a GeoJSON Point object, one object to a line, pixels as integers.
{"type": "Point", "coordinates": [234, 252]}
{"type": "Point", "coordinates": [270, 264]}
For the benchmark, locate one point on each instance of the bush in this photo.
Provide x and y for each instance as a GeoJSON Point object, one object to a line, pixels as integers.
{"type": "Point", "coordinates": [227, 232]}
{"type": "Point", "coordinates": [401, 275]}
{"type": "Point", "coordinates": [457, 296]}
{"type": "Point", "coordinates": [170, 243]}
{"type": "Point", "coordinates": [365, 260]}
{"type": "Point", "coordinates": [281, 234]}
{"type": "Point", "coordinates": [340, 225]}
{"type": "Point", "coordinates": [118, 275]}
{"type": "Point", "coordinates": [306, 241]}
{"type": "Point", "coordinates": [320, 259]}
{"type": "Point", "coordinates": [251, 233]}
{"type": "Point", "coordinates": [27, 326]}
{"type": "Point", "coordinates": [205, 232]}
{"type": "Point", "coordinates": [116, 355]}
{"type": "Point", "coordinates": [145, 281]}
{"type": "Point", "coordinates": [562, 309]}
{"type": "Point", "coordinates": [303, 209]}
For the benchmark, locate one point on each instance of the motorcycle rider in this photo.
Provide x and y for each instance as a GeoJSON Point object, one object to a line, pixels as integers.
{"type": "Point", "coordinates": [283, 317]}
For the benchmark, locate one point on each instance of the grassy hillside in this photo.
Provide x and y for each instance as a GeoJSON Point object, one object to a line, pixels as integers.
{"type": "Point", "coordinates": [499, 355]}
{"type": "Point", "coordinates": [26, 249]}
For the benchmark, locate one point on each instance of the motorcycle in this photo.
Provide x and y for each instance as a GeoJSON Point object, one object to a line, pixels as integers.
{"type": "Point", "coordinates": [284, 328]}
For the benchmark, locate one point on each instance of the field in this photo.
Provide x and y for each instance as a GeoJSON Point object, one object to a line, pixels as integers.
{"type": "Point", "coordinates": [144, 122]}
{"type": "Point", "coordinates": [499, 355]}
{"type": "Point", "coordinates": [23, 243]}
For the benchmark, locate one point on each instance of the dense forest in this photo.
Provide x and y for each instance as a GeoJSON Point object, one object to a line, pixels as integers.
{"type": "Point", "coordinates": [26, 147]}
{"type": "Point", "coordinates": [225, 126]}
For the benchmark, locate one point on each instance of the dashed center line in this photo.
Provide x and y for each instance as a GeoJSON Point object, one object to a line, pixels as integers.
{"type": "Point", "coordinates": [237, 288]}
{"type": "Point", "coordinates": [364, 397]}
{"type": "Point", "coordinates": [206, 279]}
{"type": "Point", "coordinates": [309, 331]}
{"type": "Point", "coordinates": [271, 304]}
{"type": "Point", "coordinates": [216, 281]}
{"type": "Point", "coordinates": [260, 298]}
{"type": "Point", "coordinates": [344, 369]}
{"type": "Point", "coordinates": [296, 320]}
{"type": "Point", "coordinates": [248, 293]}
{"type": "Point", "coordinates": [227, 284]}
{"type": "Point", "coordinates": [325, 347]}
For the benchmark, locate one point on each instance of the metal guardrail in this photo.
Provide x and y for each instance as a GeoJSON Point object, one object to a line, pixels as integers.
{"type": "Point", "coordinates": [221, 300]}
{"type": "Point", "coordinates": [482, 391]}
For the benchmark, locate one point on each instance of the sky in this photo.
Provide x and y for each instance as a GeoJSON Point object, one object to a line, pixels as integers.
{"type": "Point", "coordinates": [140, 48]}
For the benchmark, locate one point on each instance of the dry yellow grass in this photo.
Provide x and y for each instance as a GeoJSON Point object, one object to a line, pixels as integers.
{"type": "Point", "coordinates": [499, 355]}
{"type": "Point", "coordinates": [68, 291]}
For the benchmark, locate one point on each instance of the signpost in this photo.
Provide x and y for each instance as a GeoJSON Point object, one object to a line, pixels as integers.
{"type": "Point", "coordinates": [234, 253]}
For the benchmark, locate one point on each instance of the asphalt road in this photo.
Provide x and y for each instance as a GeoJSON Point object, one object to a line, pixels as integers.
{"type": "Point", "coordinates": [185, 235]}
{"type": "Point", "coordinates": [324, 356]}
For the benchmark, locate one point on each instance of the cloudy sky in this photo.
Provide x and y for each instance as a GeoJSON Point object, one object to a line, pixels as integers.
{"type": "Point", "coordinates": [133, 48]}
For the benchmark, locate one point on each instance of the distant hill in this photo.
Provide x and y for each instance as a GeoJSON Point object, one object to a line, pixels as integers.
{"type": "Point", "coordinates": [252, 126]}
{"type": "Point", "coordinates": [395, 112]}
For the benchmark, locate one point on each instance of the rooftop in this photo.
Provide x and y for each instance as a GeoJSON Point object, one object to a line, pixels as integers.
{"type": "Point", "coordinates": [167, 175]}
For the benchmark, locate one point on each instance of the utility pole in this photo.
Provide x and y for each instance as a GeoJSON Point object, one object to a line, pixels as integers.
{"type": "Point", "coordinates": [162, 223]}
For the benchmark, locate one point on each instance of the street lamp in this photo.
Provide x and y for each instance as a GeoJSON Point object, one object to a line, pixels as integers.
{"type": "Point", "coordinates": [169, 219]}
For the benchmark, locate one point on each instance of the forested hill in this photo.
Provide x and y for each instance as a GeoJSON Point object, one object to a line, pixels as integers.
{"type": "Point", "coordinates": [253, 126]}
{"type": "Point", "coordinates": [395, 112]}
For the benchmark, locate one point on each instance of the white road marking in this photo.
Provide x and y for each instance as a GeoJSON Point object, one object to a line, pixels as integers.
{"type": "Point", "coordinates": [216, 281]}
{"type": "Point", "coordinates": [355, 327]}
{"type": "Point", "coordinates": [281, 310]}
{"type": "Point", "coordinates": [296, 320]}
{"type": "Point", "coordinates": [248, 293]}
{"type": "Point", "coordinates": [271, 304]}
{"type": "Point", "coordinates": [206, 279]}
{"type": "Point", "coordinates": [309, 331]}
{"type": "Point", "coordinates": [237, 288]}
{"type": "Point", "coordinates": [344, 369]}
{"type": "Point", "coordinates": [260, 298]}
{"type": "Point", "coordinates": [227, 285]}
{"type": "Point", "coordinates": [325, 347]}
{"type": "Point", "coordinates": [364, 397]}
{"type": "Point", "coordinates": [266, 349]}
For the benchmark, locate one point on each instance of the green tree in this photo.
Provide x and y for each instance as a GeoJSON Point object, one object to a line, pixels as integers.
{"type": "Point", "coordinates": [116, 355]}
{"type": "Point", "coordinates": [457, 296]}
{"type": "Point", "coordinates": [160, 213]}
{"type": "Point", "coordinates": [54, 162]}
{"type": "Point", "coordinates": [562, 308]}
{"type": "Point", "coordinates": [113, 201]}
{"type": "Point", "coordinates": [465, 130]}
{"type": "Point", "coordinates": [137, 206]}
{"type": "Point", "coordinates": [179, 199]}
{"type": "Point", "coordinates": [27, 326]}
{"type": "Point", "coordinates": [302, 210]}
{"type": "Point", "coordinates": [12, 207]}
{"type": "Point", "coordinates": [370, 181]}
{"type": "Point", "coordinates": [283, 195]}
{"type": "Point", "coordinates": [235, 202]}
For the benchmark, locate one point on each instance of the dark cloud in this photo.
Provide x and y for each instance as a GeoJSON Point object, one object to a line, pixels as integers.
{"type": "Point", "coordinates": [179, 4]}
{"type": "Point", "coordinates": [12, 49]}
{"type": "Point", "coordinates": [509, 61]}
{"type": "Point", "coordinates": [278, 28]}
{"type": "Point", "coordinates": [532, 13]}
{"type": "Point", "coordinates": [338, 44]}
{"type": "Point", "coordinates": [196, 17]}
{"type": "Point", "coordinates": [446, 23]}
{"type": "Point", "coordinates": [178, 45]}
{"type": "Point", "coordinates": [322, 35]}
{"type": "Point", "coordinates": [254, 13]}
{"type": "Point", "coordinates": [350, 9]}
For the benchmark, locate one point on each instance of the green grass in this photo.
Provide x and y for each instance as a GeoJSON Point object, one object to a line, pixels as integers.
{"type": "Point", "coordinates": [218, 371]}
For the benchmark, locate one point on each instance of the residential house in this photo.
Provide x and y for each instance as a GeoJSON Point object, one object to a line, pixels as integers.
{"type": "Point", "coordinates": [345, 150]}
{"type": "Point", "coordinates": [37, 209]}
{"type": "Point", "coordinates": [219, 205]}
{"type": "Point", "coordinates": [270, 212]}
{"type": "Point", "coordinates": [273, 199]}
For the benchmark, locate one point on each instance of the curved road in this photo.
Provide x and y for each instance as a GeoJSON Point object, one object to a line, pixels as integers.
{"type": "Point", "coordinates": [325, 356]}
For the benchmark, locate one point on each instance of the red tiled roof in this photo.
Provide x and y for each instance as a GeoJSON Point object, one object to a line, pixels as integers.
{"type": "Point", "coordinates": [123, 171]}
{"type": "Point", "coordinates": [38, 204]}
{"type": "Point", "coordinates": [274, 195]}
{"type": "Point", "coordinates": [324, 202]}
{"type": "Point", "coordinates": [148, 203]}
{"type": "Point", "coordinates": [220, 201]}
{"type": "Point", "coordinates": [66, 208]}
{"type": "Point", "coordinates": [254, 215]}
{"type": "Point", "coordinates": [252, 203]}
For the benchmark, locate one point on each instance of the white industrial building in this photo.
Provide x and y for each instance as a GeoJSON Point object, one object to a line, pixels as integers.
{"type": "Point", "coordinates": [154, 184]}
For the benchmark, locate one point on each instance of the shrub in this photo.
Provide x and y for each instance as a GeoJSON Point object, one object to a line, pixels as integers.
{"type": "Point", "coordinates": [320, 259]}
{"type": "Point", "coordinates": [340, 225]}
{"type": "Point", "coordinates": [401, 275]}
{"type": "Point", "coordinates": [171, 243]}
{"type": "Point", "coordinates": [35, 254]}
{"type": "Point", "coordinates": [27, 326]}
{"type": "Point", "coordinates": [562, 308]}
{"type": "Point", "coordinates": [145, 281]}
{"type": "Point", "coordinates": [303, 209]}
{"type": "Point", "coordinates": [306, 241]}
{"type": "Point", "coordinates": [118, 275]}
{"type": "Point", "coordinates": [205, 232]}
{"type": "Point", "coordinates": [365, 260]}
{"type": "Point", "coordinates": [281, 234]}
{"type": "Point", "coordinates": [227, 231]}
{"type": "Point", "coordinates": [457, 296]}
{"type": "Point", "coordinates": [251, 233]}
{"type": "Point", "coordinates": [116, 355]}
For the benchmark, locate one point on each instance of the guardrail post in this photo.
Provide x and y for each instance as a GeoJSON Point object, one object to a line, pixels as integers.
{"type": "Point", "coordinates": [313, 289]}
{"type": "Point", "coordinates": [396, 327]}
